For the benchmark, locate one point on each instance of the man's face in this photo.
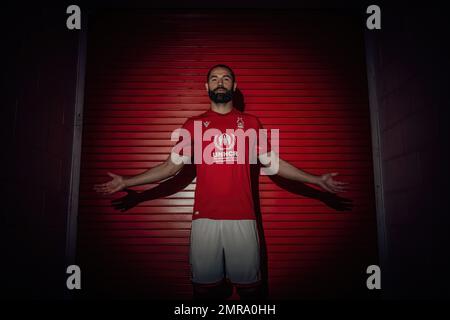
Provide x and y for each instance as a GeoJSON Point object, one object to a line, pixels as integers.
{"type": "Point", "coordinates": [220, 86]}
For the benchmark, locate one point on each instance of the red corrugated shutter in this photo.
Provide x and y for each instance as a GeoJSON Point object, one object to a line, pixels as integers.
{"type": "Point", "coordinates": [301, 73]}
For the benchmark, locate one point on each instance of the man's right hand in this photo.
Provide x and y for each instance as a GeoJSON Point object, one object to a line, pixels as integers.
{"type": "Point", "coordinates": [116, 184]}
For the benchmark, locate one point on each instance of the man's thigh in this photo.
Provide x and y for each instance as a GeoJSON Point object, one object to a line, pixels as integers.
{"type": "Point", "coordinates": [206, 251]}
{"type": "Point", "coordinates": [242, 252]}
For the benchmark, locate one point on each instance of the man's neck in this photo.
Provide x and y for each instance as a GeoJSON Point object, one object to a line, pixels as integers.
{"type": "Point", "coordinates": [222, 108]}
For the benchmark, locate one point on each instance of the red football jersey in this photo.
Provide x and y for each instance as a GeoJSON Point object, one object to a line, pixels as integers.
{"type": "Point", "coordinates": [223, 146]}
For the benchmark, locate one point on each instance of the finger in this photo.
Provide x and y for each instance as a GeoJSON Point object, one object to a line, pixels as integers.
{"type": "Point", "coordinates": [340, 189]}
{"type": "Point", "coordinates": [112, 175]}
{"type": "Point", "coordinates": [101, 190]}
{"type": "Point", "coordinates": [108, 183]}
{"type": "Point", "coordinates": [105, 188]}
{"type": "Point", "coordinates": [108, 187]}
{"type": "Point", "coordinates": [339, 185]}
{"type": "Point", "coordinates": [114, 190]}
{"type": "Point", "coordinates": [337, 188]}
{"type": "Point", "coordinates": [334, 174]}
{"type": "Point", "coordinates": [118, 188]}
{"type": "Point", "coordinates": [324, 186]}
{"type": "Point", "coordinates": [99, 186]}
{"type": "Point", "coordinates": [331, 182]}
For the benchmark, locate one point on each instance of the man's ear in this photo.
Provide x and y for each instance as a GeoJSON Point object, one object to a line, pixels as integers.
{"type": "Point", "coordinates": [234, 86]}
{"type": "Point", "coordinates": [207, 87]}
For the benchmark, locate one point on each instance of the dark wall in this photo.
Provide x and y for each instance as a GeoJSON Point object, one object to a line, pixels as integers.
{"type": "Point", "coordinates": [411, 72]}
{"type": "Point", "coordinates": [38, 97]}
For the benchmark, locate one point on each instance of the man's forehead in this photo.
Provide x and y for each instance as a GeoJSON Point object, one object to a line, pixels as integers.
{"type": "Point", "coordinates": [219, 71]}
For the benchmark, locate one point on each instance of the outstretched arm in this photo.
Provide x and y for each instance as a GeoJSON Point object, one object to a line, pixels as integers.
{"type": "Point", "coordinates": [288, 171]}
{"type": "Point", "coordinates": [157, 173]}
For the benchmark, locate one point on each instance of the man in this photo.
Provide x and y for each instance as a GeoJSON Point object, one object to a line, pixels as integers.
{"type": "Point", "coordinates": [224, 236]}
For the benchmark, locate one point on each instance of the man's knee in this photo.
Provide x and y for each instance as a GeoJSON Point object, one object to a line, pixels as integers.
{"type": "Point", "coordinates": [220, 290]}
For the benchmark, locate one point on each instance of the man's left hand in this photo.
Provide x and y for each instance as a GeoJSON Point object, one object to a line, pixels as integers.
{"type": "Point", "coordinates": [327, 183]}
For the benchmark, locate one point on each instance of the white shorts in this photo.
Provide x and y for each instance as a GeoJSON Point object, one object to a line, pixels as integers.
{"type": "Point", "coordinates": [224, 248]}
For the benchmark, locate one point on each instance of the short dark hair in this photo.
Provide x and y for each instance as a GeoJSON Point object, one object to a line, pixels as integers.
{"type": "Point", "coordinates": [220, 66]}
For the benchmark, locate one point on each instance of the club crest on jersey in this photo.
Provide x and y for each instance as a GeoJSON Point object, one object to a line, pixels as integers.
{"type": "Point", "coordinates": [240, 123]}
{"type": "Point", "coordinates": [206, 123]}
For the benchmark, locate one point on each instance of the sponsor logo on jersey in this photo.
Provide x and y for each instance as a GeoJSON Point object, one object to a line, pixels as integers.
{"type": "Point", "coordinates": [225, 143]}
{"type": "Point", "coordinates": [240, 123]}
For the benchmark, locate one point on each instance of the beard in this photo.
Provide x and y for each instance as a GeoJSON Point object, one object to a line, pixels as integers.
{"type": "Point", "coordinates": [221, 97]}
